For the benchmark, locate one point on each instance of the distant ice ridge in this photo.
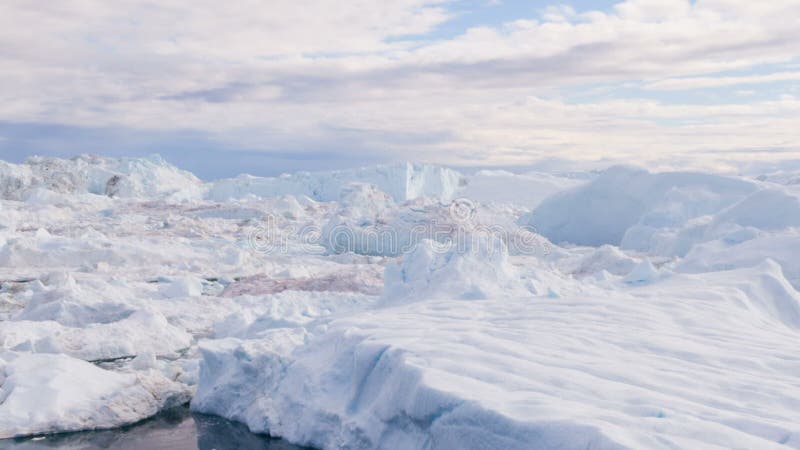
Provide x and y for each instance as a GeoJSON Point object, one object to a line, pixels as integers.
{"type": "Point", "coordinates": [402, 182]}
{"type": "Point", "coordinates": [115, 177]}
{"type": "Point", "coordinates": [153, 177]}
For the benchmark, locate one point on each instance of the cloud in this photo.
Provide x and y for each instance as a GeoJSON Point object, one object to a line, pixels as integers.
{"type": "Point", "coordinates": [675, 84]}
{"type": "Point", "coordinates": [357, 78]}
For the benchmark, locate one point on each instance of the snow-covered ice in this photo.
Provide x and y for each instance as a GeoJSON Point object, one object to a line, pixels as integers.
{"type": "Point", "coordinates": [52, 393]}
{"type": "Point", "coordinates": [404, 306]}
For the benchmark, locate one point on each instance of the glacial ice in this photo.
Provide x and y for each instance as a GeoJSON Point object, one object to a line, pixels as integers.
{"type": "Point", "coordinates": [625, 309]}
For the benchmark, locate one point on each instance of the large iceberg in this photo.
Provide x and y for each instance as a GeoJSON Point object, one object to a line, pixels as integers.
{"type": "Point", "coordinates": [633, 368]}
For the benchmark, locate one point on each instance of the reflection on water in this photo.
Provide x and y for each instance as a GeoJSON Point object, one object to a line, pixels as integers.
{"type": "Point", "coordinates": [176, 429]}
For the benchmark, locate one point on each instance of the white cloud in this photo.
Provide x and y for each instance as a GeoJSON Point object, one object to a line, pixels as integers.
{"type": "Point", "coordinates": [673, 84]}
{"type": "Point", "coordinates": [653, 10]}
{"type": "Point", "coordinates": [257, 71]}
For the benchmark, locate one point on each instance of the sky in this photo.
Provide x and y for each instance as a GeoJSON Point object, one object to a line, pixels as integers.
{"type": "Point", "coordinates": [265, 87]}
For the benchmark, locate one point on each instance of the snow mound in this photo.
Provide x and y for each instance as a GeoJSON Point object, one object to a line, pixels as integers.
{"type": "Point", "coordinates": [602, 211]}
{"type": "Point", "coordinates": [401, 181]}
{"type": "Point", "coordinates": [475, 268]}
{"type": "Point", "coordinates": [55, 393]}
{"type": "Point", "coordinates": [150, 177]}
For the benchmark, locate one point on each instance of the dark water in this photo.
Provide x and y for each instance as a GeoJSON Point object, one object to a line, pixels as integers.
{"type": "Point", "coordinates": [176, 429]}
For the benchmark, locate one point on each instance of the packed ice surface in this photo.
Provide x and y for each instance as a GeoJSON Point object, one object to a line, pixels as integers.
{"type": "Point", "coordinates": [404, 306]}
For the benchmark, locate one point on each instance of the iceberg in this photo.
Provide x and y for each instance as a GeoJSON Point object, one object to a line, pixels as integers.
{"type": "Point", "coordinates": [524, 372]}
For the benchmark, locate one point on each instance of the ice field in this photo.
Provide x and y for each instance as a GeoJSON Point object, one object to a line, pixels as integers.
{"type": "Point", "coordinates": [404, 306]}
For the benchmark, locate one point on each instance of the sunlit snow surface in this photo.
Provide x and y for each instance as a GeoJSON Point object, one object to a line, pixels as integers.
{"type": "Point", "coordinates": [404, 306]}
